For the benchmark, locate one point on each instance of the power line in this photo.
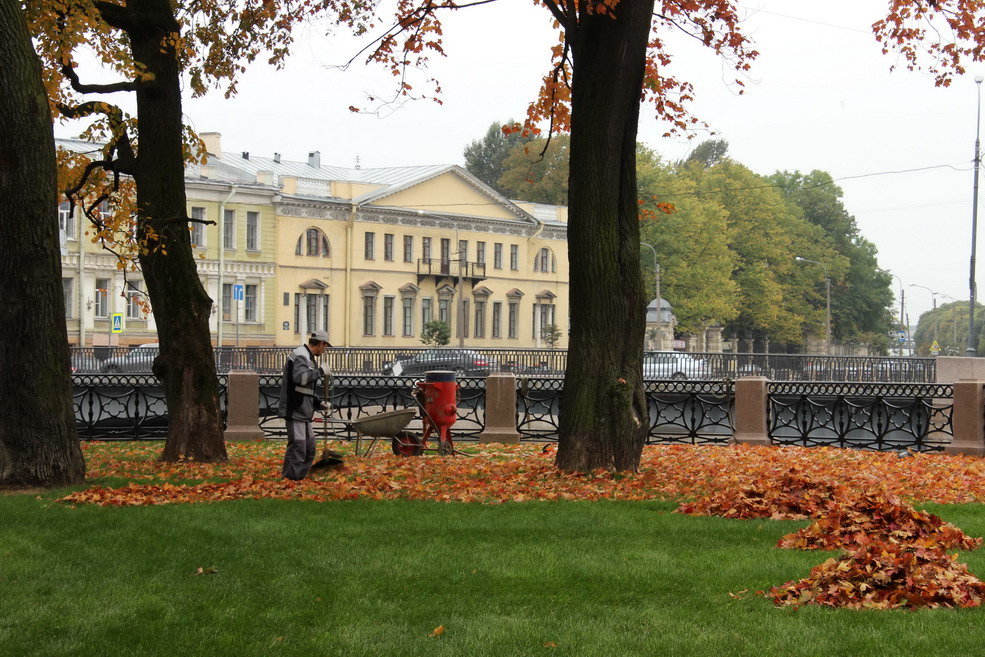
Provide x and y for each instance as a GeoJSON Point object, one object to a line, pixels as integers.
{"type": "Point", "coordinates": [814, 22]}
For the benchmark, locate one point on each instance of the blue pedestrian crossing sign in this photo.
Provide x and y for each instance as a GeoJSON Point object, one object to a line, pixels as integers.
{"type": "Point", "coordinates": [238, 293]}
{"type": "Point", "coordinates": [117, 322]}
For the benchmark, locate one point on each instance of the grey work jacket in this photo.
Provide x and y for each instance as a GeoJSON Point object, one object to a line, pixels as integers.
{"type": "Point", "coordinates": [298, 384]}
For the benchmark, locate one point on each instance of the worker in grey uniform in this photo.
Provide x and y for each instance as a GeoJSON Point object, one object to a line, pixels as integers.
{"type": "Point", "coordinates": [298, 402]}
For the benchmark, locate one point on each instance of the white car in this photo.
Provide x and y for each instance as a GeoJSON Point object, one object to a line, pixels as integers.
{"type": "Point", "coordinates": [674, 365]}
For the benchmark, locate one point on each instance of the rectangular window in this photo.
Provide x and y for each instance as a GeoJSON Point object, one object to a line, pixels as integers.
{"type": "Point", "coordinates": [443, 305]}
{"type": "Point", "coordinates": [287, 298]}
{"type": "Point", "coordinates": [480, 253]}
{"type": "Point", "coordinates": [511, 322]}
{"type": "Point", "coordinates": [369, 249]}
{"type": "Point", "coordinates": [514, 257]}
{"type": "Point", "coordinates": [497, 256]}
{"type": "Point", "coordinates": [101, 299]}
{"type": "Point", "coordinates": [408, 317]}
{"type": "Point", "coordinates": [67, 291]}
{"type": "Point", "coordinates": [250, 301]}
{"type": "Point", "coordinates": [408, 248]}
{"type": "Point", "coordinates": [480, 319]}
{"type": "Point", "coordinates": [197, 228]}
{"type": "Point", "coordinates": [369, 314]}
{"type": "Point", "coordinates": [227, 302]}
{"type": "Point", "coordinates": [252, 231]}
{"type": "Point", "coordinates": [311, 311]}
{"type": "Point", "coordinates": [134, 310]}
{"type": "Point", "coordinates": [229, 229]}
{"type": "Point", "coordinates": [462, 319]}
{"type": "Point", "coordinates": [463, 250]}
{"type": "Point", "coordinates": [425, 311]}
{"type": "Point", "coordinates": [387, 315]}
{"type": "Point", "coordinates": [497, 319]}
{"type": "Point", "coordinates": [445, 251]}
{"type": "Point", "coordinates": [426, 249]}
{"type": "Point", "coordinates": [66, 221]}
{"type": "Point", "coordinates": [388, 247]}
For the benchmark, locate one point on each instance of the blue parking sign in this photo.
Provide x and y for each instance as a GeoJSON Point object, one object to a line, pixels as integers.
{"type": "Point", "coordinates": [238, 293]}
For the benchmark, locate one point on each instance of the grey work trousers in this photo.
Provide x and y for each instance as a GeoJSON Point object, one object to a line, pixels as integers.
{"type": "Point", "coordinates": [300, 449]}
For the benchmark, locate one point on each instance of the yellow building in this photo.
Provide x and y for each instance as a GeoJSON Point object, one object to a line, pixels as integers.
{"type": "Point", "coordinates": [370, 255]}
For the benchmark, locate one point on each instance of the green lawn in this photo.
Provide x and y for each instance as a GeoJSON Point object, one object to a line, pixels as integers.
{"type": "Point", "coordinates": [375, 578]}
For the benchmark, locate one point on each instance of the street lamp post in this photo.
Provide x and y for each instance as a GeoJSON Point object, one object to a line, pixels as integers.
{"type": "Point", "coordinates": [933, 296]}
{"type": "Point", "coordinates": [827, 283]}
{"type": "Point", "coordinates": [656, 276]}
{"type": "Point", "coordinates": [970, 349]}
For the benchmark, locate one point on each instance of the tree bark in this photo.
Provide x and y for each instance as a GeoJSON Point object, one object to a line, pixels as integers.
{"type": "Point", "coordinates": [604, 418]}
{"type": "Point", "coordinates": [186, 364]}
{"type": "Point", "coordinates": [39, 445]}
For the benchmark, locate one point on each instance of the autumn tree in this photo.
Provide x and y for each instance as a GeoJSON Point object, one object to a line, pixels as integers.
{"type": "Point", "coordinates": [537, 171]}
{"type": "Point", "coordinates": [38, 441]}
{"type": "Point", "coordinates": [152, 45]}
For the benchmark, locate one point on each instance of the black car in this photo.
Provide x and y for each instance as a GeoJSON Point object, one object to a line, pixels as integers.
{"type": "Point", "coordinates": [464, 362]}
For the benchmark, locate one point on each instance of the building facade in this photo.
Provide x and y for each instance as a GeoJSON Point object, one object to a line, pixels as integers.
{"type": "Point", "coordinates": [370, 255]}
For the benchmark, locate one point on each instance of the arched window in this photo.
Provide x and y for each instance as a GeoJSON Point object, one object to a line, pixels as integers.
{"type": "Point", "coordinates": [545, 261]}
{"type": "Point", "coordinates": [313, 242]}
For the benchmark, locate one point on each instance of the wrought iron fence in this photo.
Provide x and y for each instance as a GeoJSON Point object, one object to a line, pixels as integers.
{"type": "Point", "coordinates": [537, 363]}
{"type": "Point", "coordinates": [870, 416]}
{"type": "Point", "coordinates": [692, 412]}
{"type": "Point", "coordinates": [354, 397]}
{"type": "Point", "coordinates": [124, 407]}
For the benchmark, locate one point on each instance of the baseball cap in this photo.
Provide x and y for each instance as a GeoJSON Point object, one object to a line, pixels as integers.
{"type": "Point", "coordinates": [321, 336]}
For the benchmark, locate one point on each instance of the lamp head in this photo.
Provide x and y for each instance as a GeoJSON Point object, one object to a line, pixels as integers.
{"type": "Point", "coordinates": [978, 79]}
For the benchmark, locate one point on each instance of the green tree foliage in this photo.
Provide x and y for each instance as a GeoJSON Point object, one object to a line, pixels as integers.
{"type": "Point", "coordinates": [692, 245]}
{"type": "Point", "coordinates": [862, 295]}
{"type": "Point", "coordinates": [709, 152]}
{"type": "Point", "coordinates": [551, 334]}
{"type": "Point", "coordinates": [436, 334]}
{"type": "Point", "coordinates": [948, 324]}
{"type": "Point", "coordinates": [537, 171]}
{"type": "Point", "coordinates": [484, 158]}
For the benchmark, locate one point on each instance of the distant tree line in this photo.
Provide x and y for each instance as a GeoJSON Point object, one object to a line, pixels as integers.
{"type": "Point", "coordinates": [727, 249]}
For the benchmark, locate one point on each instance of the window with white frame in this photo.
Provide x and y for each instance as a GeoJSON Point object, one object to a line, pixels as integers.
{"type": "Point", "coordinates": [426, 249]}
{"type": "Point", "coordinates": [134, 308]}
{"type": "Point", "coordinates": [388, 247]}
{"type": "Point", "coordinates": [229, 229]}
{"type": "Point", "coordinates": [101, 298]}
{"type": "Point", "coordinates": [66, 220]}
{"type": "Point", "coordinates": [497, 256]}
{"type": "Point", "coordinates": [369, 313]}
{"type": "Point", "coordinates": [514, 257]}
{"type": "Point", "coordinates": [480, 319]}
{"type": "Point", "coordinates": [250, 297]}
{"type": "Point", "coordinates": [408, 317]}
{"type": "Point", "coordinates": [253, 231]}
{"type": "Point", "coordinates": [425, 311]}
{"type": "Point", "coordinates": [480, 253]}
{"type": "Point", "coordinates": [227, 302]}
{"type": "Point", "coordinates": [497, 319]}
{"type": "Point", "coordinates": [198, 228]}
{"type": "Point", "coordinates": [387, 315]}
{"type": "Point", "coordinates": [408, 248]}
{"type": "Point", "coordinates": [511, 325]}
{"type": "Point", "coordinates": [369, 248]}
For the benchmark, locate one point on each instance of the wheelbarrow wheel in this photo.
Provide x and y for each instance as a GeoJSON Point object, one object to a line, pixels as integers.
{"type": "Point", "coordinates": [407, 443]}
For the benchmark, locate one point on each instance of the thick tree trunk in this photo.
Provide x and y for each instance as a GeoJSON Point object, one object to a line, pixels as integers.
{"type": "Point", "coordinates": [39, 445]}
{"type": "Point", "coordinates": [186, 365]}
{"type": "Point", "coordinates": [604, 417]}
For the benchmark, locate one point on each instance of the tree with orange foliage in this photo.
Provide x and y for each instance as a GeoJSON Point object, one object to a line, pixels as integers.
{"type": "Point", "coordinates": [39, 445]}
{"type": "Point", "coordinates": [151, 44]}
{"type": "Point", "coordinates": [610, 55]}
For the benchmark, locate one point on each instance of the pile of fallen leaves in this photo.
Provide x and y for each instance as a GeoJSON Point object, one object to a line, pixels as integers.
{"type": "Point", "coordinates": [885, 575]}
{"type": "Point", "coordinates": [855, 522]}
{"type": "Point", "coordinates": [792, 497]}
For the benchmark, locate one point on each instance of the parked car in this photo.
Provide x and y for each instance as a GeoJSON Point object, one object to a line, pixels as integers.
{"type": "Point", "coordinates": [674, 365]}
{"type": "Point", "coordinates": [463, 361]}
{"type": "Point", "coordinates": [138, 359]}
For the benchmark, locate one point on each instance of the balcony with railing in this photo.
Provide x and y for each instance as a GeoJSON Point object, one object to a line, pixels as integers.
{"type": "Point", "coordinates": [438, 268]}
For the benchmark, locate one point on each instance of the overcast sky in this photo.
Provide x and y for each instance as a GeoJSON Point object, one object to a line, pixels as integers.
{"type": "Point", "coordinates": [820, 96]}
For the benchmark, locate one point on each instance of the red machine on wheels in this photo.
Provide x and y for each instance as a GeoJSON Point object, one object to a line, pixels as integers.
{"type": "Point", "coordinates": [437, 396]}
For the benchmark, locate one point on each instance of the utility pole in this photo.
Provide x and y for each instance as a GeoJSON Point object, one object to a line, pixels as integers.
{"type": "Point", "coordinates": [827, 282]}
{"type": "Point", "coordinates": [970, 349]}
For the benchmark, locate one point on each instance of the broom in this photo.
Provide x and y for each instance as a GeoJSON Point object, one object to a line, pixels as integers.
{"type": "Point", "coordinates": [329, 459]}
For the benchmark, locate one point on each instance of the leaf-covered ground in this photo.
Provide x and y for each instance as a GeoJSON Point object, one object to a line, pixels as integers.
{"type": "Point", "coordinates": [129, 474]}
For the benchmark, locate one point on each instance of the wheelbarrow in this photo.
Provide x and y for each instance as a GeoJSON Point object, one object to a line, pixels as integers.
{"type": "Point", "coordinates": [389, 424]}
